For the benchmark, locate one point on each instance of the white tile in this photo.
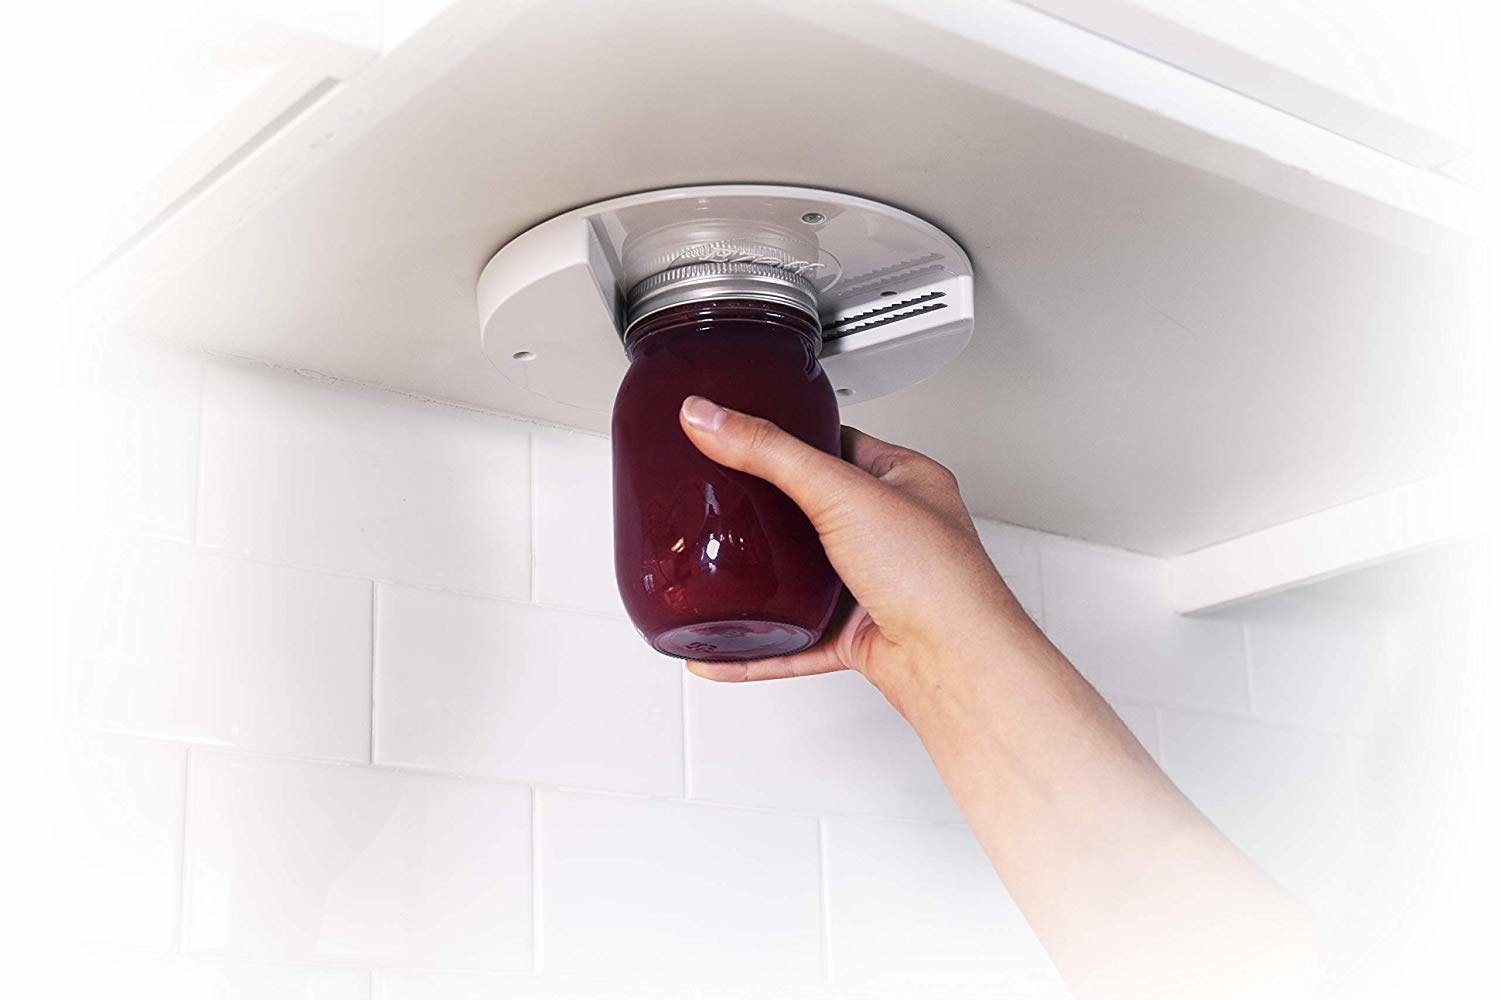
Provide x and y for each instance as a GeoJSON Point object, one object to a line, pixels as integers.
{"type": "Point", "coordinates": [1315, 663]}
{"type": "Point", "coordinates": [123, 977]}
{"type": "Point", "coordinates": [296, 860]}
{"type": "Point", "coordinates": [1284, 796]}
{"type": "Point", "coordinates": [761, 992]}
{"type": "Point", "coordinates": [1140, 719]}
{"type": "Point", "coordinates": [1015, 553]}
{"type": "Point", "coordinates": [773, 993]}
{"type": "Point", "coordinates": [910, 899]}
{"type": "Point", "coordinates": [652, 888]}
{"type": "Point", "coordinates": [1415, 638]}
{"type": "Point", "coordinates": [829, 743]}
{"type": "Point", "coordinates": [347, 481]}
{"type": "Point", "coordinates": [1108, 613]}
{"type": "Point", "coordinates": [136, 453]}
{"type": "Point", "coordinates": [574, 515]}
{"type": "Point", "coordinates": [478, 686]}
{"type": "Point", "coordinates": [469, 986]}
{"type": "Point", "coordinates": [175, 641]}
{"type": "Point", "coordinates": [117, 823]}
{"type": "Point", "coordinates": [1009, 984]}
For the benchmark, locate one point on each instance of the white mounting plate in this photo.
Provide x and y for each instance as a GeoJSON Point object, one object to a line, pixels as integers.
{"type": "Point", "coordinates": [895, 293]}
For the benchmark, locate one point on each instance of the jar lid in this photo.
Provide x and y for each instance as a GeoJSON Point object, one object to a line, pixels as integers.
{"type": "Point", "coordinates": [719, 280]}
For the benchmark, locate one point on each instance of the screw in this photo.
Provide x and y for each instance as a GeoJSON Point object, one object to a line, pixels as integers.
{"type": "Point", "coordinates": [814, 218]}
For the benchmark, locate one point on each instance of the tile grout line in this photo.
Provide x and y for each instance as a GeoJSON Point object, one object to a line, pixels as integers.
{"type": "Point", "coordinates": [517, 781]}
{"type": "Point", "coordinates": [376, 392]}
{"type": "Point", "coordinates": [536, 880]}
{"type": "Point", "coordinates": [1363, 834]}
{"type": "Point", "coordinates": [374, 665]}
{"type": "Point", "coordinates": [687, 768]}
{"type": "Point", "coordinates": [1221, 715]}
{"type": "Point", "coordinates": [197, 531]}
{"type": "Point", "coordinates": [180, 931]}
{"type": "Point", "coordinates": [825, 908]}
{"type": "Point", "coordinates": [1249, 670]}
{"type": "Point", "coordinates": [531, 512]}
{"type": "Point", "coordinates": [1389, 676]}
{"type": "Point", "coordinates": [250, 558]}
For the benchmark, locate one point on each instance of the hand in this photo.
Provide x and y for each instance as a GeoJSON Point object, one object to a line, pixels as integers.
{"type": "Point", "coordinates": [895, 529]}
{"type": "Point", "coordinates": [1112, 866]}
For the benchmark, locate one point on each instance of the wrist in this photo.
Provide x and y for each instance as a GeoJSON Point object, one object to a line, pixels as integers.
{"type": "Point", "coordinates": [965, 651]}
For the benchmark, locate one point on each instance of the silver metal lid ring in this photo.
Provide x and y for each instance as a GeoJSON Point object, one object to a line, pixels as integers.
{"type": "Point", "coordinates": [719, 280]}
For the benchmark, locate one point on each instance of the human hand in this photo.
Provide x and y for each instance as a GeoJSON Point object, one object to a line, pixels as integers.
{"type": "Point", "coordinates": [896, 530]}
{"type": "Point", "coordinates": [1110, 863]}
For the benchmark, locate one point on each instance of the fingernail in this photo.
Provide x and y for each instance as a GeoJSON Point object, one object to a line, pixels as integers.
{"type": "Point", "coordinates": [704, 413]}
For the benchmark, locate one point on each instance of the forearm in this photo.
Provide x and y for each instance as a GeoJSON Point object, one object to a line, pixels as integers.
{"type": "Point", "coordinates": [1121, 877]}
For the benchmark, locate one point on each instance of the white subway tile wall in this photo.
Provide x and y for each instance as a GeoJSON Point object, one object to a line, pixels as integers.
{"type": "Point", "coordinates": [356, 713]}
{"type": "Point", "coordinates": [829, 743]}
{"type": "Point", "coordinates": [299, 860]}
{"type": "Point", "coordinates": [118, 817]}
{"type": "Point", "coordinates": [1108, 613]}
{"type": "Point", "coordinates": [1282, 795]}
{"type": "Point", "coordinates": [907, 898]}
{"type": "Point", "coordinates": [136, 460]}
{"type": "Point", "coordinates": [639, 887]}
{"type": "Point", "coordinates": [471, 986]}
{"type": "Point", "coordinates": [178, 641]}
{"type": "Point", "coordinates": [185, 978]}
{"type": "Point", "coordinates": [573, 509]}
{"type": "Point", "coordinates": [471, 685]}
{"type": "Point", "coordinates": [1316, 663]}
{"type": "Point", "coordinates": [378, 487]}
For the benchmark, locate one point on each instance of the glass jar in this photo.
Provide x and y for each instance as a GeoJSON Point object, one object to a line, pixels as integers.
{"type": "Point", "coordinates": [715, 564]}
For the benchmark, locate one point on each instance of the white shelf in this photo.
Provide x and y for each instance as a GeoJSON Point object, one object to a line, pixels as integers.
{"type": "Point", "coordinates": [1346, 538]}
{"type": "Point", "coordinates": [1197, 315]}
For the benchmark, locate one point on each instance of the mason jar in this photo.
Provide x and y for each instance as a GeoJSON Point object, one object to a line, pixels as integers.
{"type": "Point", "coordinates": [715, 564]}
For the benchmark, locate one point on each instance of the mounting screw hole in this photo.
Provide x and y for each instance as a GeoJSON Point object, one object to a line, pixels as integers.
{"type": "Point", "coordinates": [888, 292]}
{"type": "Point", "coordinates": [846, 393]}
{"type": "Point", "coordinates": [524, 355]}
{"type": "Point", "coordinates": [814, 218]}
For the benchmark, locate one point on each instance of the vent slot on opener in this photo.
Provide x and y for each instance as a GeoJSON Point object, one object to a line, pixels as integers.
{"type": "Point", "coordinates": [880, 316]}
{"type": "Point", "coordinates": [905, 270]}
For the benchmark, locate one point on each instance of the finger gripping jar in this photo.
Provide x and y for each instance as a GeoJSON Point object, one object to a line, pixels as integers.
{"type": "Point", "coordinates": [715, 564]}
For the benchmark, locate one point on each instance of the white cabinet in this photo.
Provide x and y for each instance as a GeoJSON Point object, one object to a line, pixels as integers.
{"type": "Point", "coordinates": [1384, 73]}
{"type": "Point", "coordinates": [1217, 285]}
{"type": "Point", "coordinates": [181, 94]}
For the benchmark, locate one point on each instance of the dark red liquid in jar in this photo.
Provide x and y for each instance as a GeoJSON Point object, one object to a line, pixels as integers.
{"type": "Point", "coordinates": [715, 564]}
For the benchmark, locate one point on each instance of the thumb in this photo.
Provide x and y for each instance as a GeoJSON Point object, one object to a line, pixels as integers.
{"type": "Point", "coordinates": [816, 481]}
